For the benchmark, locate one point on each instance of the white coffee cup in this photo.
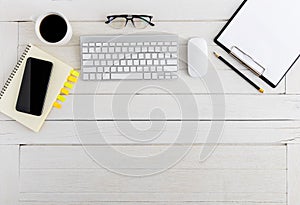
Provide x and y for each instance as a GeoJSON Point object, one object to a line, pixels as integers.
{"type": "Point", "coordinates": [64, 39]}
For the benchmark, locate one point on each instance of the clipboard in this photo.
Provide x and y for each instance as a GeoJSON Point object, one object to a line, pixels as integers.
{"type": "Point", "coordinates": [263, 35]}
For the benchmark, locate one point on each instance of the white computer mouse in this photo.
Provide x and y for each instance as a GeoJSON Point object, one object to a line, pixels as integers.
{"type": "Point", "coordinates": [197, 57]}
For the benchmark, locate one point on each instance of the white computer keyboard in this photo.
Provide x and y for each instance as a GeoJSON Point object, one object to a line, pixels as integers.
{"type": "Point", "coordinates": [129, 57]}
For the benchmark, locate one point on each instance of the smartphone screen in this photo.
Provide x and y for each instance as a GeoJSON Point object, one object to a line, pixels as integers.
{"type": "Point", "coordinates": [34, 86]}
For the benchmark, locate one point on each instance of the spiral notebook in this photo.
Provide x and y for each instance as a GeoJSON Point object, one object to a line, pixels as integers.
{"type": "Point", "coordinates": [60, 81]}
{"type": "Point", "coordinates": [264, 36]}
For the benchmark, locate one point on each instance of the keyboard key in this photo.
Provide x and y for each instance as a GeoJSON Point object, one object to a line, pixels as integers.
{"type": "Point", "coordinates": [123, 62]}
{"type": "Point", "coordinates": [170, 68]}
{"type": "Point", "coordinates": [162, 62]}
{"type": "Point", "coordinates": [151, 49]}
{"type": "Point", "coordinates": [97, 62]}
{"type": "Point", "coordinates": [95, 56]}
{"type": "Point", "coordinates": [104, 44]}
{"type": "Point", "coordinates": [141, 56]}
{"type": "Point", "coordinates": [127, 76]}
{"type": "Point", "coordinates": [111, 49]}
{"type": "Point", "coordinates": [87, 63]}
{"type": "Point", "coordinates": [108, 56]}
{"type": "Point", "coordinates": [172, 62]}
{"type": "Point", "coordinates": [106, 76]}
{"type": "Point", "coordinates": [98, 44]}
{"type": "Point", "coordinates": [101, 56]}
{"type": "Point", "coordinates": [91, 50]}
{"type": "Point", "coordinates": [86, 76]}
{"type": "Point", "coordinates": [147, 76]}
{"type": "Point", "coordinates": [144, 49]}
{"type": "Point", "coordinates": [103, 63]}
{"type": "Point", "coordinates": [92, 76]}
{"type": "Point", "coordinates": [99, 76]}
{"type": "Point", "coordinates": [100, 69]}
{"type": "Point", "coordinates": [118, 49]}
{"type": "Point", "coordinates": [126, 69]}
{"type": "Point", "coordinates": [161, 55]}
{"type": "Point", "coordinates": [136, 62]}
{"type": "Point", "coordinates": [134, 56]}
{"type": "Point", "coordinates": [104, 49]}
{"type": "Point", "coordinates": [84, 50]}
{"type": "Point", "coordinates": [149, 62]}
{"type": "Point", "coordinates": [143, 62]}
{"type": "Point", "coordinates": [86, 56]}
{"type": "Point", "coordinates": [137, 49]}
{"type": "Point", "coordinates": [148, 55]}
{"type": "Point", "coordinates": [113, 69]}
{"type": "Point", "coordinates": [129, 62]}
{"type": "Point", "coordinates": [152, 69]}
{"type": "Point", "coordinates": [106, 69]}
{"type": "Point", "coordinates": [91, 44]}
{"type": "Point", "coordinates": [120, 69]}
{"type": "Point", "coordinates": [110, 63]}
{"type": "Point", "coordinates": [127, 56]}
{"type": "Point", "coordinates": [98, 50]}
{"type": "Point", "coordinates": [133, 69]}
{"type": "Point", "coordinates": [154, 75]}
{"type": "Point", "coordinates": [173, 49]}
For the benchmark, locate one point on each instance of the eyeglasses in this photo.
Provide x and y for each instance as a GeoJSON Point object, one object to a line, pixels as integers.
{"type": "Point", "coordinates": [138, 21]}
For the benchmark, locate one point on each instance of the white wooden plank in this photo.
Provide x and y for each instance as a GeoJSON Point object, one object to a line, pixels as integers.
{"type": "Point", "coordinates": [231, 82]}
{"type": "Point", "coordinates": [107, 199]}
{"type": "Point", "coordinates": [9, 174]}
{"type": "Point", "coordinates": [185, 30]}
{"type": "Point", "coordinates": [8, 49]}
{"type": "Point", "coordinates": [236, 132]}
{"type": "Point", "coordinates": [96, 11]}
{"type": "Point", "coordinates": [151, 202]}
{"type": "Point", "coordinates": [293, 174]}
{"type": "Point", "coordinates": [237, 107]}
{"type": "Point", "coordinates": [224, 157]}
{"type": "Point", "coordinates": [170, 181]}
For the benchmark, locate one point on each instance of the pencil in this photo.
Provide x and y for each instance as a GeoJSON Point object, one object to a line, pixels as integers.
{"type": "Point", "coordinates": [239, 73]}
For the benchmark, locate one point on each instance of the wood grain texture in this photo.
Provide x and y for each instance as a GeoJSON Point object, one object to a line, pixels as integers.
{"type": "Point", "coordinates": [187, 181]}
{"type": "Point", "coordinates": [224, 157]}
{"type": "Point", "coordinates": [9, 174]}
{"type": "Point", "coordinates": [237, 107]}
{"type": "Point", "coordinates": [152, 202]}
{"type": "Point", "coordinates": [95, 11]}
{"type": "Point", "coordinates": [8, 49]}
{"type": "Point", "coordinates": [64, 133]}
{"type": "Point", "coordinates": [293, 176]}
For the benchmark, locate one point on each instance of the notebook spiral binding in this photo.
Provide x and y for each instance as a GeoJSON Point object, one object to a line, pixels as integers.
{"type": "Point", "coordinates": [11, 76]}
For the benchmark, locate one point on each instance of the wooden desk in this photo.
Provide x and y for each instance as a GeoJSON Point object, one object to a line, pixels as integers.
{"type": "Point", "coordinates": [257, 160]}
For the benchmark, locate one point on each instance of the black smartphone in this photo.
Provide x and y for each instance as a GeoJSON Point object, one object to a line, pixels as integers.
{"type": "Point", "coordinates": [34, 86]}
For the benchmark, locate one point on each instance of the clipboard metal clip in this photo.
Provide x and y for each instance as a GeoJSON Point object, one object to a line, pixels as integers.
{"type": "Point", "coordinates": [247, 60]}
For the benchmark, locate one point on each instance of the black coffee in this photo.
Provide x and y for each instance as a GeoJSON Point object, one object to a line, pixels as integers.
{"type": "Point", "coordinates": [53, 28]}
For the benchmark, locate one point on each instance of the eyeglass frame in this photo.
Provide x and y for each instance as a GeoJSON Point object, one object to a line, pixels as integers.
{"type": "Point", "coordinates": [130, 18]}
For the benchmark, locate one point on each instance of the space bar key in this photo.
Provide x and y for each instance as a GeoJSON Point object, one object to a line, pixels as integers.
{"type": "Point", "coordinates": [126, 76]}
